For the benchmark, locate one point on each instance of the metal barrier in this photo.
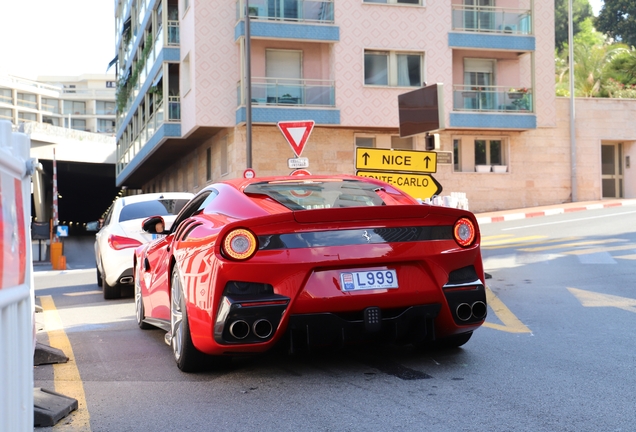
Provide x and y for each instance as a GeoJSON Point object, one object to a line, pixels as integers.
{"type": "Point", "coordinates": [17, 330]}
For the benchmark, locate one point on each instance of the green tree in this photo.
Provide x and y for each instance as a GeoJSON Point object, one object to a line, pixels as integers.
{"type": "Point", "coordinates": [581, 10]}
{"type": "Point", "coordinates": [617, 19]}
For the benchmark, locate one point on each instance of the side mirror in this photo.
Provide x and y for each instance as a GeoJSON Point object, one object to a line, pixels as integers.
{"type": "Point", "coordinates": [154, 225]}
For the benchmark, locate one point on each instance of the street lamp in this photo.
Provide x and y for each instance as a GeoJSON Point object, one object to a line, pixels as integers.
{"type": "Point", "coordinates": [248, 89]}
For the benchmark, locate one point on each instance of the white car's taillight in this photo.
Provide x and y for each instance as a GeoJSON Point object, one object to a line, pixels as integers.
{"type": "Point", "coordinates": [118, 242]}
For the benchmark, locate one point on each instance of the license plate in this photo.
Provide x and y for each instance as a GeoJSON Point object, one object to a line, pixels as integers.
{"type": "Point", "coordinates": [366, 280]}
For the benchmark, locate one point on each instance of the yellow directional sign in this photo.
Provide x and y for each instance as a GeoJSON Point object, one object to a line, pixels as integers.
{"type": "Point", "coordinates": [413, 161]}
{"type": "Point", "coordinates": [417, 185]}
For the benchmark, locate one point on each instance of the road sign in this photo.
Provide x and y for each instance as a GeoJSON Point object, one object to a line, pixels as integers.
{"type": "Point", "coordinates": [298, 163]}
{"type": "Point", "coordinates": [296, 133]}
{"type": "Point", "coordinates": [300, 172]}
{"type": "Point", "coordinates": [413, 161]}
{"type": "Point", "coordinates": [417, 185]}
{"type": "Point", "coordinates": [249, 173]}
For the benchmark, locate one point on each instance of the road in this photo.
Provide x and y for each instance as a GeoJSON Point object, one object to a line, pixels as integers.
{"type": "Point", "coordinates": [556, 354]}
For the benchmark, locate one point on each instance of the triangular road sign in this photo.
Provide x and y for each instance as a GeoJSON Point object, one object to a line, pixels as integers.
{"type": "Point", "coordinates": [296, 133]}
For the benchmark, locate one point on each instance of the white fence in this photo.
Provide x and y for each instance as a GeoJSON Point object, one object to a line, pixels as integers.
{"type": "Point", "coordinates": [17, 331]}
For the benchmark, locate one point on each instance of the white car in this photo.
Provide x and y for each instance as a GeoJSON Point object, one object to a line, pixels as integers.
{"type": "Point", "coordinates": [121, 233]}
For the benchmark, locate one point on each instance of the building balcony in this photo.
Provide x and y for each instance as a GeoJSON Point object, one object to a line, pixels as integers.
{"type": "Point", "coordinates": [492, 98]}
{"type": "Point", "coordinates": [493, 107]}
{"type": "Point", "coordinates": [307, 20]}
{"type": "Point", "coordinates": [292, 92]}
{"type": "Point", "coordinates": [307, 11]}
{"type": "Point", "coordinates": [275, 99]}
{"type": "Point", "coordinates": [493, 20]}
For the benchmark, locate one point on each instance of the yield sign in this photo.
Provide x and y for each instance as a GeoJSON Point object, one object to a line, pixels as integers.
{"type": "Point", "coordinates": [296, 133]}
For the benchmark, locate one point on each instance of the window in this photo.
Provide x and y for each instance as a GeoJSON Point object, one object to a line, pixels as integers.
{"type": "Point", "coordinates": [479, 77]}
{"type": "Point", "coordinates": [6, 96]}
{"type": "Point", "coordinates": [76, 124]}
{"type": "Point", "coordinates": [105, 126]}
{"type": "Point", "coordinates": [110, 84]}
{"type": "Point", "coordinates": [389, 68]}
{"type": "Point", "coordinates": [402, 143]}
{"type": "Point", "coordinates": [105, 107]}
{"type": "Point", "coordinates": [27, 100]}
{"type": "Point", "coordinates": [23, 117]}
{"type": "Point", "coordinates": [51, 120]}
{"type": "Point", "coordinates": [50, 105]}
{"type": "Point", "coordinates": [481, 154]}
{"type": "Point", "coordinates": [362, 141]}
{"type": "Point", "coordinates": [6, 114]}
{"type": "Point", "coordinates": [208, 164]}
{"type": "Point", "coordinates": [74, 107]}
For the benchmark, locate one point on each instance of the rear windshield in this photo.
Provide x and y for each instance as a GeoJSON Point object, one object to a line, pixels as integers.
{"type": "Point", "coordinates": [315, 194]}
{"type": "Point", "coordinates": [160, 207]}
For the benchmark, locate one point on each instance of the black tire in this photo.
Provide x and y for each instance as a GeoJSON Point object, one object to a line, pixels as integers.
{"type": "Point", "coordinates": [454, 341]}
{"type": "Point", "coordinates": [188, 358]}
{"type": "Point", "coordinates": [110, 291]}
{"type": "Point", "coordinates": [140, 312]}
{"type": "Point", "coordinates": [99, 277]}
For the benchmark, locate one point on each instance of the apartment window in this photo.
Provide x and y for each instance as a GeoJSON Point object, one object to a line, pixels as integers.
{"type": "Point", "coordinates": [390, 68]}
{"type": "Point", "coordinates": [53, 121]}
{"type": "Point", "coordinates": [105, 126]}
{"type": "Point", "coordinates": [6, 114]}
{"type": "Point", "coordinates": [105, 107]}
{"type": "Point", "coordinates": [74, 107]}
{"type": "Point", "coordinates": [77, 124]}
{"type": "Point", "coordinates": [402, 143]}
{"type": "Point", "coordinates": [362, 141]}
{"type": "Point", "coordinates": [110, 84]}
{"type": "Point", "coordinates": [27, 100]}
{"type": "Point", "coordinates": [24, 117]}
{"type": "Point", "coordinates": [208, 164]}
{"type": "Point", "coordinates": [414, 2]}
{"type": "Point", "coordinates": [50, 105]}
{"type": "Point", "coordinates": [6, 96]}
{"type": "Point", "coordinates": [224, 164]}
{"type": "Point", "coordinates": [480, 154]}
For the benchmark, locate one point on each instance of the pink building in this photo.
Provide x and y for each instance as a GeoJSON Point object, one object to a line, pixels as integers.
{"type": "Point", "coordinates": [182, 107]}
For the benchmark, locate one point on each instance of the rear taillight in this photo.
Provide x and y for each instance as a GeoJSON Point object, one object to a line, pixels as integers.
{"type": "Point", "coordinates": [464, 232]}
{"type": "Point", "coordinates": [239, 244]}
{"type": "Point", "coordinates": [118, 242]}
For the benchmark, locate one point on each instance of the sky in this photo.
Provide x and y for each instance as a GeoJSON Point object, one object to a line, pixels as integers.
{"type": "Point", "coordinates": [65, 37]}
{"type": "Point", "coordinates": [56, 37]}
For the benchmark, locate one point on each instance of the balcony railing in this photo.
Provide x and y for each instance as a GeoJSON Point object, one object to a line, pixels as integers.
{"type": "Point", "coordinates": [292, 92]}
{"type": "Point", "coordinates": [289, 10]}
{"type": "Point", "coordinates": [487, 19]}
{"type": "Point", "coordinates": [492, 98]}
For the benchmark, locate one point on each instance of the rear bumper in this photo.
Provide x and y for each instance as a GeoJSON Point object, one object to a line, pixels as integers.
{"type": "Point", "coordinates": [413, 324]}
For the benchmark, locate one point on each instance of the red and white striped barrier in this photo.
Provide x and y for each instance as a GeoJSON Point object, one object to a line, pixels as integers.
{"type": "Point", "coordinates": [17, 330]}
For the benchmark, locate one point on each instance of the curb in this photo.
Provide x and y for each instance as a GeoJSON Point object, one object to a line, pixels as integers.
{"type": "Point", "coordinates": [532, 213]}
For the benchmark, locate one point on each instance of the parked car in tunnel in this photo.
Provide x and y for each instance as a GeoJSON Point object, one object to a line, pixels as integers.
{"type": "Point", "coordinates": [309, 261]}
{"type": "Point", "coordinates": [121, 233]}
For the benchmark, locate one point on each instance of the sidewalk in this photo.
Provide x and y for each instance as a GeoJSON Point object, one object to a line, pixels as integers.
{"type": "Point", "coordinates": [508, 215]}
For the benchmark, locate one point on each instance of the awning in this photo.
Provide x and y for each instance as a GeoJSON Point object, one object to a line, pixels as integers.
{"type": "Point", "coordinates": [112, 62]}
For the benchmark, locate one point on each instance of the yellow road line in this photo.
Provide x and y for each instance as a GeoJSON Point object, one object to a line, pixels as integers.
{"type": "Point", "coordinates": [601, 249]}
{"type": "Point", "coordinates": [573, 244]}
{"type": "Point", "coordinates": [511, 323]}
{"type": "Point", "coordinates": [66, 376]}
{"type": "Point", "coordinates": [487, 238]}
{"type": "Point", "coordinates": [512, 240]}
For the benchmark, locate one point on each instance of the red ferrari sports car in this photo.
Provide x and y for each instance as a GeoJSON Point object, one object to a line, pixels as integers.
{"type": "Point", "coordinates": [312, 261]}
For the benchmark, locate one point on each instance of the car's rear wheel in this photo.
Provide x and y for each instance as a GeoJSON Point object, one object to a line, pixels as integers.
{"type": "Point", "coordinates": [140, 312]}
{"type": "Point", "coordinates": [110, 291]}
{"type": "Point", "coordinates": [188, 358]}
{"type": "Point", "coordinates": [454, 341]}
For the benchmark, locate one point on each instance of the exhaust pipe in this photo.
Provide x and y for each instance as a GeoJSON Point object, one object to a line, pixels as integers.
{"type": "Point", "coordinates": [479, 309]}
{"type": "Point", "coordinates": [126, 280]}
{"type": "Point", "coordinates": [464, 312]}
{"type": "Point", "coordinates": [262, 328]}
{"type": "Point", "coordinates": [239, 329]}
